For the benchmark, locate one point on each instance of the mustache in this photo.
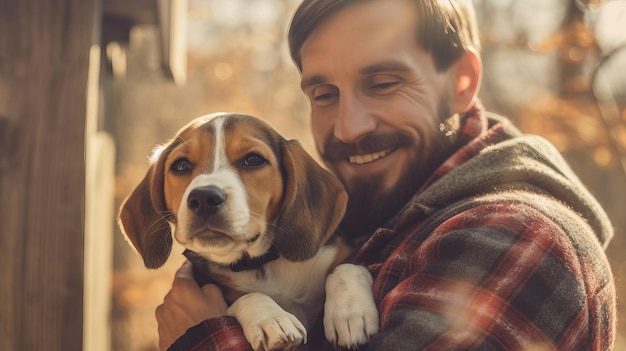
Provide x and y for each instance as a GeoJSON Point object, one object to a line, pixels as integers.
{"type": "Point", "coordinates": [337, 150]}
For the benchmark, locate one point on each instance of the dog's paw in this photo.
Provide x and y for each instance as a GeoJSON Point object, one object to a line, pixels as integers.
{"type": "Point", "coordinates": [277, 333]}
{"type": "Point", "coordinates": [266, 325]}
{"type": "Point", "coordinates": [350, 314]}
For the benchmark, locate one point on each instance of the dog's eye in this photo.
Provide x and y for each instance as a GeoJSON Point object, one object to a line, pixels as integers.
{"type": "Point", "coordinates": [181, 166]}
{"type": "Point", "coordinates": [253, 160]}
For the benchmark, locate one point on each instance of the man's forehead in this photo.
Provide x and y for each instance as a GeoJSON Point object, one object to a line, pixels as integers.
{"type": "Point", "coordinates": [358, 32]}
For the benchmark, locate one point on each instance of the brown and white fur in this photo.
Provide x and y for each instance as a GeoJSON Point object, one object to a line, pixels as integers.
{"type": "Point", "coordinates": [230, 188]}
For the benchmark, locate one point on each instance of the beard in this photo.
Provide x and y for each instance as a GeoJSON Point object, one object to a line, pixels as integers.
{"type": "Point", "coordinates": [370, 204]}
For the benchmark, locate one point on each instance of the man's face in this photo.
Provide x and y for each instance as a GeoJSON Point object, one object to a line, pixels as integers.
{"type": "Point", "coordinates": [377, 102]}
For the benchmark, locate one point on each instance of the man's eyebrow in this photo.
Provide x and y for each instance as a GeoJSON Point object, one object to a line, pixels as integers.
{"type": "Point", "coordinates": [313, 80]}
{"type": "Point", "coordinates": [386, 66]}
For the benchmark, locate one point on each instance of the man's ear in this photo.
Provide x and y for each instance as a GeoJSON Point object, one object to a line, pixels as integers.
{"type": "Point", "coordinates": [466, 74]}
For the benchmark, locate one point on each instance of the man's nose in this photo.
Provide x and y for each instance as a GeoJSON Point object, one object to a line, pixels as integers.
{"type": "Point", "coordinates": [354, 119]}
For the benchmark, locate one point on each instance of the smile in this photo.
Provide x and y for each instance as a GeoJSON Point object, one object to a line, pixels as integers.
{"type": "Point", "coordinates": [363, 159]}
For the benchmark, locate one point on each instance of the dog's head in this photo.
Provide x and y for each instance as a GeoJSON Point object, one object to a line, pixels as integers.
{"type": "Point", "coordinates": [227, 186]}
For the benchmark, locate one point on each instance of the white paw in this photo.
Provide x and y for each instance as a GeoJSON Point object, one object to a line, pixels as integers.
{"type": "Point", "coordinates": [265, 324]}
{"type": "Point", "coordinates": [350, 314]}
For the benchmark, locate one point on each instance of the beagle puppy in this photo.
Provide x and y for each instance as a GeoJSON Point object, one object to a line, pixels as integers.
{"type": "Point", "coordinates": [256, 215]}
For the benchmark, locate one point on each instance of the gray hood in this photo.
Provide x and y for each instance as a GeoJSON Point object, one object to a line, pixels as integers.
{"type": "Point", "coordinates": [523, 162]}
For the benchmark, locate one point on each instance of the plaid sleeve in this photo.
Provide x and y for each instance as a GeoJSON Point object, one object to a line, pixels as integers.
{"type": "Point", "coordinates": [217, 334]}
{"type": "Point", "coordinates": [498, 276]}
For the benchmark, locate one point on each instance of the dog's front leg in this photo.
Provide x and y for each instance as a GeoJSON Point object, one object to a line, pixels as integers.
{"type": "Point", "coordinates": [265, 324]}
{"type": "Point", "coordinates": [350, 314]}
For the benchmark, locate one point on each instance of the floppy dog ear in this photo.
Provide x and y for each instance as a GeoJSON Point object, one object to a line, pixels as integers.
{"type": "Point", "coordinates": [313, 205]}
{"type": "Point", "coordinates": [142, 217]}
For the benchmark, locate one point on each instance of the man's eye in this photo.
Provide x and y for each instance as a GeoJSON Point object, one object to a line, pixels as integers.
{"type": "Point", "coordinates": [385, 88]}
{"type": "Point", "coordinates": [181, 166]}
{"type": "Point", "coordinates": [385, 85]}
{"type": "Point", "coordinates": [324, 95]}
{"type": "Point", "coordinates": [253, 160]}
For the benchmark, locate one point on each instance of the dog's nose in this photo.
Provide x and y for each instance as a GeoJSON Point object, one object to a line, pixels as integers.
{"type": "Point", "coordinates": [206, 201]}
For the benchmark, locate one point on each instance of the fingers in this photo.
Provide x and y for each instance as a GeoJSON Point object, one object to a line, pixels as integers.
{"type": "Point", "coordinates": [165, 339]}
{"type": "Point", "coordinates": [184, 276]}
{"type": "Point", "coordinates": [184, 282]}
{"type": "Point", "coordinates": [211, 290]}
{"type": "Point", "coordinates": [215, 295]}
{"type": "Point", "coordinates": [185, 271]}
{"type": "Point", "coordinates": [186, 305]}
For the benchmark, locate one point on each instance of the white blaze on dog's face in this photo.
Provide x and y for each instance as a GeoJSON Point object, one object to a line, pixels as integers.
{"type": "Point", "coordinates": [223, 183]}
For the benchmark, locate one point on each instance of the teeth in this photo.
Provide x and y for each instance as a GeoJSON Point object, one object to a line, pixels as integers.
{"type": "Point", "coordinates": [361, 159]}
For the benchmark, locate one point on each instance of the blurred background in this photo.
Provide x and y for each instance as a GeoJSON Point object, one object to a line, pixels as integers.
{"type": "Point", "coordinates": [556, 67]}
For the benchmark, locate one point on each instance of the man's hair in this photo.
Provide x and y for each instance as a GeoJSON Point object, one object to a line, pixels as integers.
{"type": "Point", "coordinates": [446, 28]}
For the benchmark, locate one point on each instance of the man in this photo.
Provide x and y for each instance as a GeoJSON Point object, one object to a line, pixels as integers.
{"type": "Point", "coordinates": [477, 236]}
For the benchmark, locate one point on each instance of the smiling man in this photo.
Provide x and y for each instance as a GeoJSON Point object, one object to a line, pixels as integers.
{"type": "Point", "coordinates": [478, 237]}
{"type": "Point", "coordinates": [378, 104]}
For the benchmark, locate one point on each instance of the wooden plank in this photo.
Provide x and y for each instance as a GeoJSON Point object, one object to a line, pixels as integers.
{"type": "Point", "coordinates": [99, 215]}
{"type": "Point", "coordinates": [172, 17]}
{"type": "Point", "coordinates": [99, 242]}
{"type": "Point", "coordinates": [44, 60]}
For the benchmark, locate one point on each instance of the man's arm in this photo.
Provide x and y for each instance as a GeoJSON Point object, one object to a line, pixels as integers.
{"type": "Point", "coordinates": [499, 276]}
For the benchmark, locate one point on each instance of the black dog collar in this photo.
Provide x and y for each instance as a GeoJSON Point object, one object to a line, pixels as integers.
{"type": "Point", "coordinates": [247, 263]}
{"type": "Point", "coordinates": [202, 275]}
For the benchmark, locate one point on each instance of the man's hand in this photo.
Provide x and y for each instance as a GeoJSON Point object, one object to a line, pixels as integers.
{"type": "Point", "coordinates": [186, 305]}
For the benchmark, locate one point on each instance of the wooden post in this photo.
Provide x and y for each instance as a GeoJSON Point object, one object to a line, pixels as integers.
{"type": "Point", "coordinates": [44, 63]}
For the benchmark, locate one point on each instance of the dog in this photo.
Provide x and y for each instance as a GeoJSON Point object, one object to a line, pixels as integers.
{"type": "Point", "coordinates": [257, 216]}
